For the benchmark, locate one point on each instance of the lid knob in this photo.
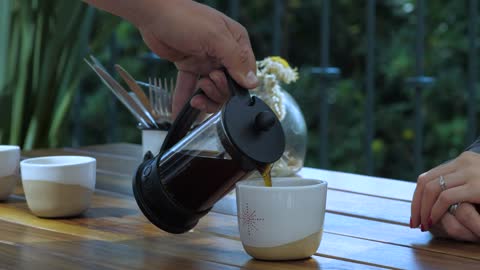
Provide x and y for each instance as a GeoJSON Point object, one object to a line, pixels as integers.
{"type": "Point", "coordinates": [264, 120]}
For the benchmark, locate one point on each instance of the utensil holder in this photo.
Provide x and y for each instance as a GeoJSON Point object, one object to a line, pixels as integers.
{"type": "Point", "coordinates": [152, 140]}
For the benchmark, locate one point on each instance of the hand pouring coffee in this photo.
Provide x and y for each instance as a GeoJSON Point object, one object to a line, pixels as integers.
{"type": "Point", "coordinates": [197, 167]}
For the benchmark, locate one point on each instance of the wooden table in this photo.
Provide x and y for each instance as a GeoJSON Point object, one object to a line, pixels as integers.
{"type": "Point", "coordinates": [366, 227]}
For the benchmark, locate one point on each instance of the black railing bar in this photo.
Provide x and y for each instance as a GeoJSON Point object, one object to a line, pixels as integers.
{"type": "Point", "coordinates": [234, 9]}
{"type": "Point", "coordinates": [419, 68]}
{"type": "Point", "coordinates": [277, 27]}
{"type": "Point", "coordinates": [325, 34]}
{"type": "Point", "coordinates": [420, 38]}
{"type": "Point", "coordinates": [370, 85]}
{"type": "Point", "coordinates": [472, 71]}
{"type": "Point", "coordinates": [419, 83]}
{"type": "Point", "coordinates": [327, 75]}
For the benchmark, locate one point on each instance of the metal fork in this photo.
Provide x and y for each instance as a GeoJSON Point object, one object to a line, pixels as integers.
{"type": "Point", "coordinates": [160, 93]}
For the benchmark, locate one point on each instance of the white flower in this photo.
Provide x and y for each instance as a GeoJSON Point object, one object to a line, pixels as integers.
{"type": "Point", "coordinates": [270, 72]}
{"type": "Point", "coordinates": [279, 67]}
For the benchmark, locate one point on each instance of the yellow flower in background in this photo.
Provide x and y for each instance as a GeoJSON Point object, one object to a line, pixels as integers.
{"type": "Point", "coordinates": [407, 134]}
{"type": "Point", "coordinates": [377, 146]}
{"type": "Point", "coordinates": [278, 67]}
{"type": "Point", "coordinates": [280, 60]}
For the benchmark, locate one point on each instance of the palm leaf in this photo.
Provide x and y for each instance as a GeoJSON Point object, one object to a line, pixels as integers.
{"type": "Point", "coordinates": [71, 77]}
{"type": "Point", "coordinates": [5, 6]}
{"type": "Point", "coordinates": [41, 47]}
{"type": "Point", "coordinates": [19, 95]}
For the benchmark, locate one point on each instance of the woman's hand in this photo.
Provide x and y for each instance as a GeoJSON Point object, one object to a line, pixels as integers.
{"type": "Point", "coordinates": [464, 226]}
{"type": "Point", "coordinates": [461, 178]}
{"type": "Point", "coordinates": [197, 38]}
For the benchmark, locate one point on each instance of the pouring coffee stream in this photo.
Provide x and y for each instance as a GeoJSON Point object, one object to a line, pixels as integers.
{"type": "Point", "coordinates": [266, 173]}
{"type": "Point", "coordinates": [197, 167]}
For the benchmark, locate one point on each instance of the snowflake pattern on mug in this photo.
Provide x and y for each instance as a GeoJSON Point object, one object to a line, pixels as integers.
{"type": "Point", "coordinates": [249, 218]}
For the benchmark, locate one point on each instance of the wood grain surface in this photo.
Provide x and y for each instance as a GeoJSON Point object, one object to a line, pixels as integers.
{"type": "Point", "coordinates": [366, 227]}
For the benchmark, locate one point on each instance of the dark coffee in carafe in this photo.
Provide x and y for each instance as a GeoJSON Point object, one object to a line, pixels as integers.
{"type": "Point", "coordinates": [196, 167]}
{"type": "Point", "coordinates": [203, 178]}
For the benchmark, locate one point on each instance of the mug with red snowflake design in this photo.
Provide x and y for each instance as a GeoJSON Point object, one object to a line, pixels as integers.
{"type": "Point", "coordinates": [282, 222]}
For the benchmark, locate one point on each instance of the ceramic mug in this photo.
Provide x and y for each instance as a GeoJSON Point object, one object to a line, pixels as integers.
{"type": "Point", "coordinates": [152, 140]}
{"type": "Point", "coordinates": [282, 222]}
{"type": "Point", "coordinates": [58, 186]}
{"type": "Point", "coordinates": [9, 169]}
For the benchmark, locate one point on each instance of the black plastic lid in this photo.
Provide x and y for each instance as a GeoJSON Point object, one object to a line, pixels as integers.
{"type": "Point", "coordinates": [253, 129]}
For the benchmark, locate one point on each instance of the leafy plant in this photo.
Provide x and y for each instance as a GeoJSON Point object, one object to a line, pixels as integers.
{"type": "Point", "coordinates": [41, 47]}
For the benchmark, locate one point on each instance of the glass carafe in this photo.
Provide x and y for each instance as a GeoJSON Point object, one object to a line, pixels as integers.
{"type": "Point", "coordinates": [196, 167]}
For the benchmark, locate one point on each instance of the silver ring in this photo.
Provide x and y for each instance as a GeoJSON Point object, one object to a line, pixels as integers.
{"type": "Point", "coordinates": [443, 185]}
{"type": "Point", "coordinates": [453, 208]}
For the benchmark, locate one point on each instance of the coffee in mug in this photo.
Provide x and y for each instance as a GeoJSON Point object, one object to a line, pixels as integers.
{"type": "Point", "coordinates": [58, 186]}
{"type": "Point", "coordinates": [282, 222]}
{"type": "Point", "coordinates": [9, 169]}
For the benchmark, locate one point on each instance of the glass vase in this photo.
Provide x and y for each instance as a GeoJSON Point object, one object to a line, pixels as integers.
{"type": "Point", "coordinates": [295, 129]}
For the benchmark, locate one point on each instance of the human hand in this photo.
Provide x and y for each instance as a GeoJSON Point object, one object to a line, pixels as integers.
{"type": "Point", "coordinates": [199, 39]}
{"type": "Point", "coordinates": [215, 87]}
{"type": "Point", "coordinates": [462, 184]}
{"type": "Point", "coordinates": [463, 226]}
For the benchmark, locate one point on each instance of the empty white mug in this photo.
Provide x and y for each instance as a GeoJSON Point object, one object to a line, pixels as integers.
{"type": "Point", "coordinates": [58, 186]}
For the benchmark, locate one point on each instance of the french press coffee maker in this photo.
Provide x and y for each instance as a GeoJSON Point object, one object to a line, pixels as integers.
{"type": "Point", "coordinates": [196, 167]}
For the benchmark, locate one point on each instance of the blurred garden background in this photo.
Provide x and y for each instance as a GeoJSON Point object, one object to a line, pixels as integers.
{"type": "Point", "coordinates": [50, 98]}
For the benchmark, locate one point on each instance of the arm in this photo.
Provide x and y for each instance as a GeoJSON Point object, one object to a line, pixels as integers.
{"type": "Point", "coordinates": [197, 38]}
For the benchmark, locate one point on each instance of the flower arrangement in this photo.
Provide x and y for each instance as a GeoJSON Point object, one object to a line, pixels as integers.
{"type": "Point", "coordinates": [272, 71]}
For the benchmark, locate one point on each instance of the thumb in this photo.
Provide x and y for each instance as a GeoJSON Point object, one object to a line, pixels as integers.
{"type": "Point", "coordinates": [236, 55]}
{"type": "Point", "coordinates": [186, 83]}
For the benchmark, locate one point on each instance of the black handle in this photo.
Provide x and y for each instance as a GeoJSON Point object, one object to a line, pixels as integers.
{"type": "Point", "coordinates": [181, 125]}
{"type": "Point", "coordinates": [187, 116]}
{"type": "Point", "coordinates": [235, 88]}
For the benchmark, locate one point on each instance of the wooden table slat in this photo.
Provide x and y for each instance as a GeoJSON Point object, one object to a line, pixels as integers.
{"type": "Point", "coordinates": [369, 185]}
{"type": "Point", "coordinates": [365, 228]}
{"type": "Point", "coordinates": [95, 229]}
{"type": "Point", "coordinates": [63, 249]}
{"type": "Point", "coordinates": [125, 224]}
{"type": "Point", "coordinates": [115, 158]}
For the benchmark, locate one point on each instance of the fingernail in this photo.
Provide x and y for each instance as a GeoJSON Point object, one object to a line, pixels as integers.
{"type": "Point", "coordinates": [422, 228]}
{"type": "Point", "coordinates": [214, 76]}
{"type": "Point", "coordinates": [430, 222]}
{"type": "Point", "coordinates": [252, 78]}
{"type": "Point", "coordinates": [411, 225]}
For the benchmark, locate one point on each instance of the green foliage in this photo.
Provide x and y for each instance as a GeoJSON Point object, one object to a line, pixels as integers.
{"type": "Point", "coordinates": [39, 79]}
{"type": "Point", "coordinates": [444, 105]}
{"type": "Point", "coordinates": [42, 43]}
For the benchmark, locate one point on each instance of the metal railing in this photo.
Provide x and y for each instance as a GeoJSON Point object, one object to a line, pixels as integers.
{"type": "Point", "coordinates": [327, 75]}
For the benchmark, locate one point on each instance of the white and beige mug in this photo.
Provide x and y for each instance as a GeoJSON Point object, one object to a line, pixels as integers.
{"type": "Point", "coordinates": [58, 186]}
{"type": "Point", "coordinates": [282, 222]}
{"type": "Point", "coordinates": [9, 170]}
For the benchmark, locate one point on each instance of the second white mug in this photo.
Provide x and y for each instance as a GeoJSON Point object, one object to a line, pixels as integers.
{"type": "Point", "coordinates": [58, 186]}
{"type": "Point", "coordinates": [9, 169]}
